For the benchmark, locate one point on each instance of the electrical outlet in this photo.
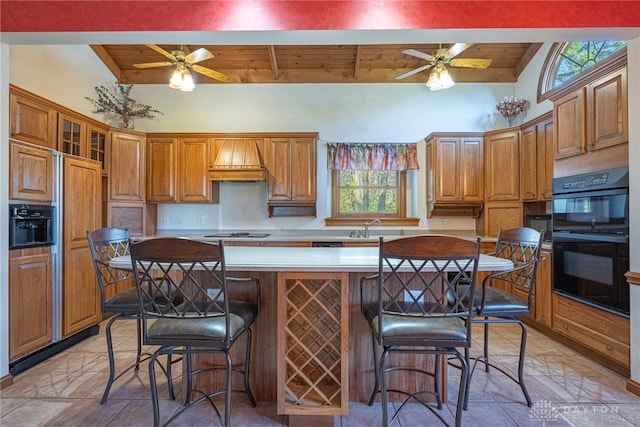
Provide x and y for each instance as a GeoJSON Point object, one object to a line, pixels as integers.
{"type": "Point", "coordinates": [299, 221]}
{"type": "Point", "coordinates": [200, 219]}
{"type": "Point", "coordinates": [165, 219]}
{"type": "Point", "coordinates": [416, 296]}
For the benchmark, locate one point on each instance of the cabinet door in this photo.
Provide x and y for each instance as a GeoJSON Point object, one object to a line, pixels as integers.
{"type": "Point", "coordinates": [570, 133]}
{"type": "Point", "coordinates": [30, 303]}
{"type": "Point", "coordinates": [446, 168]}
{"type": "Point", "coordinates": [502, 166]}
{"type": "Point", "coordinates": [545, 159]}
{"type": "Point", "coordinates": [126, 172]}
{"type": "Point", "coordinates": [32, 121]}
{"type": "Point", "coordinates": [31, 174]}
{"type": "Point", "coordinates": [544, 289]}
{"type": "Point", "coordinates": [608, 111]}
{"type": "Point", "coordinates": [279, 155]}
{"type": "Point", "coordinates": [503, 215]}
{"type": "Point", "coordinates": [161, 170]}
{"type": "Point", "coordinates": [97, 145]}
{"type": "Point", "coordinates": [81, 212]}
{"type": "Point", "coordinates": [303, 169]}
{"type": "Point", "coordinates": [72, 136]}
{"type": "Point", "coordinates": [193, 183]}
{"type": "Point", "coordinates": [471, 170]}
{"type": "Point", "coordinates": [529, 164]}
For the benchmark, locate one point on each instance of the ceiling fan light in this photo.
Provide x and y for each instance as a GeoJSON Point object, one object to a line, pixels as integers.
{"type": "Point", "coordinates": [187, 82]}
{"type": "Point", "coordinates": [439, 78]}
{"type": "Point", "coordinates": [176, 79]}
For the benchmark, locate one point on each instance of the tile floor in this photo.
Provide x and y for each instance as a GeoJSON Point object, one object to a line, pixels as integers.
{"type": "Point", "coordinates": [567, 390]}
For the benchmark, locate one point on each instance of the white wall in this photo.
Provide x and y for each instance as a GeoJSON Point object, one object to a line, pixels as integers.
{"type": "Point", "coordinates": [4, 213]}
{"type": "Point", "coordinates": [633, 68]}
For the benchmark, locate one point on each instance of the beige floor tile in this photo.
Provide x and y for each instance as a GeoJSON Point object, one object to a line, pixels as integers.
{"type": "Point", "coordinates": [8, 404]}
{"type": "Point", "coordinates": [36, 412]}
{"type": "Point", "coordinates": [89, 413]}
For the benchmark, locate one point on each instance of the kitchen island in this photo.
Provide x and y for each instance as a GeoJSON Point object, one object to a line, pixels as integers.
{"type": "Point", "coordinates": [312, 349]}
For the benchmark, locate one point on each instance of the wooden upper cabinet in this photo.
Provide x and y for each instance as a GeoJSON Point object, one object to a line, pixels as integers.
{"type": "Point", "coordinates": [177, 170]}
{"type": "Point", "coordinates": [536, 160]}
{"type": "Point", "coordinates": [193, 174]}
{"type": "Point", "coordinates": [32, 119]}
{"type": "Point", "coordinates": [279, 164]}
{"type": "Point", "coordinates": [126, 171]}
{"type": "Point", "coordinates": [97, 143]}
{"type": "Point", "coordinates": [608, 111]}
{"type": "Point", "coordinates": [569, 114]}
{"type": "Point", "coordinates": [454, 168]}
{"type": "Point", "coordinates": [32, 173]}
{"type": "Point", "coordinates": [502, 171]}
{"type": "Point", "coordinates": [592, 117]}
{"type": "Point", "coordinates": [161, 169]}
{"type": "Point", "coordinates": [292, 169]}
{"type": "Point", "coordinates": [72, 135]}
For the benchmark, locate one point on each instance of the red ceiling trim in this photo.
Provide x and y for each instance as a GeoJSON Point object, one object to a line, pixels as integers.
{"type": "Point", "coordinates": [245, 15]}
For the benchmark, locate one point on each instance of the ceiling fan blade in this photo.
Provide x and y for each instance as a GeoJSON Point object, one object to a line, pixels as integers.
{"type": "Point", "coordinates": [198, 55]}
{"type": "Point", "coordinates": [412, 72]}
{"type": "Point", "coordinates": [210, 73]}
{"type": "Point", "coordinates": [418, 54]}
{"type": "Point", "coordinates": [470, 63]}
{"type": "Point", "coordinates": [161, 51]}
{"type": "Point", "coordinates": [153, 64]}
{"type": "Point", "coordinates": [457, 49]}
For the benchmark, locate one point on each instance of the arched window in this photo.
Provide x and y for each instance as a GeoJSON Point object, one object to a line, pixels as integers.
{"type": "Point", "coordinates": [566, 61]}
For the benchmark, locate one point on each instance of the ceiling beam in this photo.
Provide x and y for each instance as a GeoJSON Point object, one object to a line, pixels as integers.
{"type": "Point", "coordinates": [108, 61]}
{"type": "Point", "coordinates": [274, 61]}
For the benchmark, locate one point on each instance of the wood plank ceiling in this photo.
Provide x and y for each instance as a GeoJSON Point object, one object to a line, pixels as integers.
{"type": "Point", "coordinates": [365, 63]}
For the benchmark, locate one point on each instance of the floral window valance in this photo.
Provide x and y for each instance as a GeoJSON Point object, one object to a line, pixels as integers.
{"type": "Point", "coordinates": [379, 157]}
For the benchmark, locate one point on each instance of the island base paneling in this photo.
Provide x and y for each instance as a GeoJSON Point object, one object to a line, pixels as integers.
{"type": "Point", "coordinates": [264, 355]}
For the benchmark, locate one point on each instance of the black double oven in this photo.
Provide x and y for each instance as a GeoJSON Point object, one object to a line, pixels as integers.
{"type": "Point", "coordinates": [591, 238]}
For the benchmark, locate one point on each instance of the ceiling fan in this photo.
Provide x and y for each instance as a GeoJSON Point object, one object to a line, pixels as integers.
{"type": "Point", "coordinates": [181, 78]}
{"type": "Point", "coordinates": [439, 77]}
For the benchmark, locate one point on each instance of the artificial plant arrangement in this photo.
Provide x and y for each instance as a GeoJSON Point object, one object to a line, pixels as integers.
{"type": "Point", "coordinates": [115, 99]}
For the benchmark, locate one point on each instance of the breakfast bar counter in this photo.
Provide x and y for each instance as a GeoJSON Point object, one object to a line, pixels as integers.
{"type": "Point", "coordinates": [312, 350]}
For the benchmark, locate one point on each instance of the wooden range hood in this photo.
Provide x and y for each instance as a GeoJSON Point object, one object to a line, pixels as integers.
{"type": "Point", "coordinates": [238, 159]}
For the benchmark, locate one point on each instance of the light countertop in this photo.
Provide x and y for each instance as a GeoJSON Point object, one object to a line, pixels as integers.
{"type": "Point", "coordinates": [349, 259]}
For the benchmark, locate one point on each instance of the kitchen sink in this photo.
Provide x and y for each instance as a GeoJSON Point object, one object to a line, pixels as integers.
{"type": "Point", "coordinates": [247, 235]}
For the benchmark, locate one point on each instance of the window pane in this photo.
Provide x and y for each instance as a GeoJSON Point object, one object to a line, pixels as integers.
{"type": "Point", "coordinates": [368, 192]}
{"type": "Point", "coordinates": [579, 56]}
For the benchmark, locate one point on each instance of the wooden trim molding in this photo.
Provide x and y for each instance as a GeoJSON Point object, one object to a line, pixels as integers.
{"type": "Point", "coordinates": [633, 387]}
{"type": "Point", "coordinates": [633, 278]}
{"type": "Point", "coordinates": [6, 381]}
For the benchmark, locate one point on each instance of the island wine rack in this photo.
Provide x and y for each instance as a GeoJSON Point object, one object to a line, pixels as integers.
{"type": "Point", "coordinates": [313, 372]}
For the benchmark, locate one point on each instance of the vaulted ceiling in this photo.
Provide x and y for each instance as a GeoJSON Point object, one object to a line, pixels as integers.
{"type": "Point", "coordinates": [348, 63]}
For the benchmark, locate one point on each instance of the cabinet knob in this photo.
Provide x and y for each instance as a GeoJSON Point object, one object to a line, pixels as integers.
{"type": "Point", "coordinates": [609, 348]}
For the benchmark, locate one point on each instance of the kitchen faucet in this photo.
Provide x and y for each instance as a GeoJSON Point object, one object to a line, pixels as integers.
{"type": "Point", "coordinates": [367, 224]}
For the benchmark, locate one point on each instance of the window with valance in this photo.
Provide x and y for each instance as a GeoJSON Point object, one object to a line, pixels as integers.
{"type": "Point", "coordinates": [369, 179]}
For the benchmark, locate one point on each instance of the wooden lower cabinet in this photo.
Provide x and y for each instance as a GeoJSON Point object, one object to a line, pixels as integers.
{"type": "Point", "coordinates": [81, 212]}
{"type": "Point", "coordinates": [30, 301]}
{"type": "Point", "coordinates": [544, 289]}
{"type": "Point", "coordinates": [138, 217]}
{"type": "Point", "coordinates": [605, 333]}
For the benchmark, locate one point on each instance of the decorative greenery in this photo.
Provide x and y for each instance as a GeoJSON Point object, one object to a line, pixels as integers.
{"type": "Point", "coordinates": [115, 99]}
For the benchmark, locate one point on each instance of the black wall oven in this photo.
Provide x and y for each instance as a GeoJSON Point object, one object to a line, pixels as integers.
{"type": "Point", "coordinates": [591, 238]}
{"type": "Point", "coordinates": [30, 226]}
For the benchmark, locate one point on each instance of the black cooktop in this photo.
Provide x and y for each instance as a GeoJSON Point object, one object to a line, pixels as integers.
{"type": "Point", "coordinates": [248, 235]}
